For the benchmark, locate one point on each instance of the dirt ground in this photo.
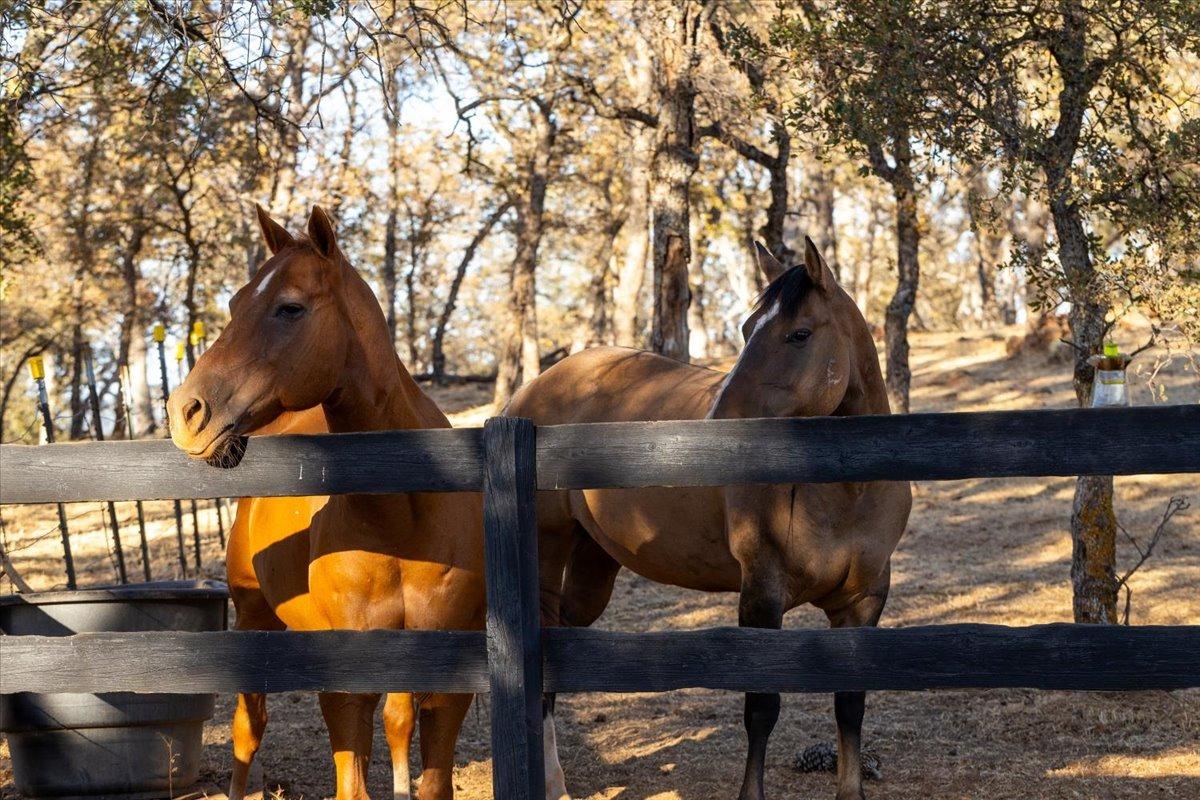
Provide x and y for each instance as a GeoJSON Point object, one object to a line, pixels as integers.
{"type": "Point", "coordinates": [994, 551]}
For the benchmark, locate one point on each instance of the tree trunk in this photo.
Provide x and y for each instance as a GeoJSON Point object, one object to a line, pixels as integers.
{"type": "Point", "coordinates": [182, 184]}
{"type": "Point", "coordinates": [631, 274]}
{"type": "Point", "coordinates": [393, 220]}
{"type": "Point", "coordinates": [131, 355]}
{"type": "Point", "coordinates": [593, 328]}
{"type": "Point", "coordinates": [824, 199]}
{"type": "Point", "coordinates": [78, 406]}
{"type": "Point", "coordinates": [342, 179]}
{"type": "Point", "coordinates": [1093, 520]}
{"type": "Point", "coordinates": [524, 292]}
{"type": "Point", "coordinates": [248, 232]}
{"type": "Point", "coordinates": [140, 392]}
{"type": "Point", "coordinates": [675, 161]}
{"type": "Point", "coordinates": [864, 270]}
{"type": "Point", "coordinates": [988, 244]}
{"type": "Point", "coordinates": [777, 172]}
{"type": "Point", "coordinates": [283, 190]}
{"type": "Point", "coordinates": [908, 239]}
{"type": "Point", "coordinates": [84, 269]}
{"type": "Point", "coordinates": [698, 338]}
{"type": "Point", "coordinates": [410, 293]}
{"type": "Point", "coordinates": [697, 323]}
{"type": "Point", "coordinates": [437, 350]}
{"type": "Point", "coordinates": [521, 360]}
{"type": "Point", "coordinates": [742, 273]}
{"type": "Point", "coordinates": [1028, 223]}
{"type": "Point", "coordinates": [508, 362]}
{"type": "Point", "coordinates": [189, 297]}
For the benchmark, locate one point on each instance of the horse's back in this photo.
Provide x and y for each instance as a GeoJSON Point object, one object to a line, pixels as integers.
{"type": "Point", "coordinates": [638, 527]}
{"type": "Point", "coordinates": [616, 384]}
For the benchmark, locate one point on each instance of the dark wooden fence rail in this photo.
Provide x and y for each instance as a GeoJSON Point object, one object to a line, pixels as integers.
{"type": "Point", "coordinates": [737, 659]}
{"type": "Point", "coordinates": [994, 444]}
{"type": "Point", "coordinates": [1160, 439]}
{"type": "Point", "coordinates": [515, 660]}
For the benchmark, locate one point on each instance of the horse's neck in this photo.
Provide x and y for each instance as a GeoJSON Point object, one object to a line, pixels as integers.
{"type": "Point", "coordinates": [366, 403]}
{"type": "Point", "coordinates": [866, 392]}
{"type": "Point", "coordinates": [377, 392]}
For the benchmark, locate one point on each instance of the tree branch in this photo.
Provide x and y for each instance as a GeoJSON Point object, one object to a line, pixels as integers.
{"type": "Point", "coordinates": [742, 147]}
{"type": "Point", "coordinates": [1174, 506]}
{"type": "Point", "coordinates": [879, 163]}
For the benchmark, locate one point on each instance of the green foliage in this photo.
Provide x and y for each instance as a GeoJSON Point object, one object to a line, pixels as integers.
{"type": "Point", "coordinates": [17, 238]}
{"type": "Point", "coordinates": [316, 8]}
{"type": "Point", "coordinates": [875, 69]}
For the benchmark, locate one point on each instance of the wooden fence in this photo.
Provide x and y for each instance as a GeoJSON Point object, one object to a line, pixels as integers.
{"type": "Point", "coordinates": [508, 459]}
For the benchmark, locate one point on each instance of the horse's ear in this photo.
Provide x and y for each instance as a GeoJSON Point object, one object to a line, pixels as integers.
{"type": "Point", "coordinates": [320, 232]}
{"type": "Point", "coordinates": [818, 271]}
{"type": "Point", "coordinates": [771, 266]}
{"type": "Point", "coordinates": [274, 234]}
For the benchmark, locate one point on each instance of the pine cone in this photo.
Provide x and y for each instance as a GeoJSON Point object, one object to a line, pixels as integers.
{"type": "Point", "coordinates": [817, 758]}
{"type": "Point", "coordinates": [822, 757]}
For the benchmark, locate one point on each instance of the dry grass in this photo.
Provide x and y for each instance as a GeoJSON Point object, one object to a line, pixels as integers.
{"type": "Point", "coordinates": [976, 551]}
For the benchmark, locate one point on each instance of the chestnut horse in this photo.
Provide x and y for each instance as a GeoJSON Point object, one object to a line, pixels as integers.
{"type": "Point", "coordinates": [307, 331]}
{"type": "Point", "coordinates": [269, 538]}
{"type": "Point", "coordinates": [808, 353]}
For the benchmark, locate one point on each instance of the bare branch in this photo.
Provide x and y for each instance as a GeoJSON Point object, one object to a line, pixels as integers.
{"type": "Point", "coordinates": [1174, 506]}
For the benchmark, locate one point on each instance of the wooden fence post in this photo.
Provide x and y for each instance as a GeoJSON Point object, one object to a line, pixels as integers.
{"type": "Point", "coordinates": [513, 619]}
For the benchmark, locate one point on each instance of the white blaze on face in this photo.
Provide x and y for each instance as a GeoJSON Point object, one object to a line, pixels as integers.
{"type": "Point", "coordinates": [771, 314]}
{"type": "Point", "coordinates": [262, 285]}
{"type": "Point", "coordinates": [556, 782]}
{"type": "Point", "coordinates": [767, 316]}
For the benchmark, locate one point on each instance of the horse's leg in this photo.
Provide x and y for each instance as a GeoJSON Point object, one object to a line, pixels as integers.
{"type": "Point", "coordinates": [350, 719]}
{"type": "Point", "coordinates": [760, 606]}
{"type": "Point", "coordinates": [588, 585]}
{"type": "Point", "coordinates": [586, 589]}
{"type": "Point", "coordinates": [848, 706]}
{"type": "Point", "coordinates": [441, 716]}
{"type": "Point", "coordinates": [250, 715]}
{"type": "Point", "coordinates": [249, 722]}
{"type": "Point", "coordinates": [558, 534]}
{"type": "Point", "coordinates": [399, 718]}
{"type": "Point", "coordinates": [555, 779]}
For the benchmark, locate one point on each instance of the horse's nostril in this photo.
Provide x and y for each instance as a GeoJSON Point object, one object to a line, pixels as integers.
{"type": "Point", "coordinates": [195, 415]}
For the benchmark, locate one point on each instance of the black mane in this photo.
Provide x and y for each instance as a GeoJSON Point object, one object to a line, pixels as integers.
{"type": "Point", "coordinates": [789, 290]}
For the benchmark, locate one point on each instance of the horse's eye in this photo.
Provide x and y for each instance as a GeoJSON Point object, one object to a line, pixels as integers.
{"type": "Point", "coordinates": [289, 311]}
{"type": "Point", "coordinates": [799, 335]}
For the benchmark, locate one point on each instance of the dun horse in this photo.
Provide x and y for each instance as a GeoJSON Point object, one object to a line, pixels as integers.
{"type": "Point", "coordinates": [307, 331]}
{"type": "Point", "coordinates": [808, 352]}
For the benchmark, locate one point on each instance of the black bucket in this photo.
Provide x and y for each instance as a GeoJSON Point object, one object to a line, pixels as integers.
{"type": "Point", "coordinates": [116, 744]}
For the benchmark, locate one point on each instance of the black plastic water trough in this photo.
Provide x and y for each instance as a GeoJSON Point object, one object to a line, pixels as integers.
{"type": "Point", "coordinates": [116, 744]}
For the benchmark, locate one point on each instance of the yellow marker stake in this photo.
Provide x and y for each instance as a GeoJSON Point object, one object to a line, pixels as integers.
{"type": "Point", "coordinates": [198, 329]}
{"type": "Point", "coordinates": [37, 368]}
{"type": "Point", "coordinates": [160, 332]}
{"type": "Point", "coordinates": [180, 351]}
